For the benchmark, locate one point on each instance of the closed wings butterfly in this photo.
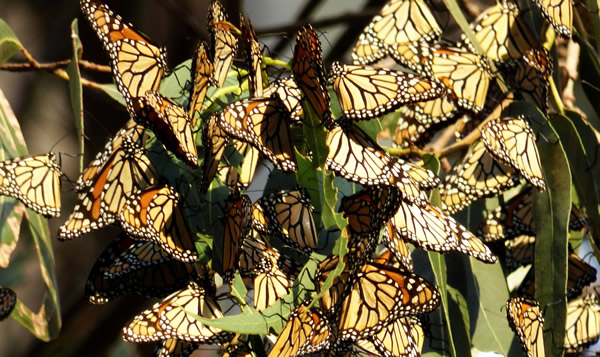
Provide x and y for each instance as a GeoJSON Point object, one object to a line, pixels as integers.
{"type": "Point", "coordinates": [138, 64]}
{"type": "Point", "coordinates": [465, 74]}
{"type": "Point", "coordinates": [309, 74]}
{"type": "Point", "coordinates": [478, 175]}
{"type": "Point", "coordinates": [201, 78]}
{"type": "Point", "coordinates": [288, 215]}
{"type": "Point", "coordinates": [171, 124]}
{"type": "Point", "coordinates": [253, 58]}
{"type": "Point", "coordinates": [526, 320]}
{"type": "Point", "coordinates": [128, 267]}
{"type": "Point", "coordinates": [583, 322]}
{"type": "Point", "coordinates": [399, 22]}
{"type": "Point", "coordinates": [223, 42]}
{"type": "Point", "coordinates": [33, 180]}
{"type": "Point", "coordinates": [155, 214]}
{"type": "Point", "coordinates": [169, 319]}
{"type": "Point", "coordinates": [263, 123]}
{"type": "Point", "coordinates": [8, 300]}
{"type": "Point", "coordinates": [306, 331]}
{"type": "Point", "coordinates": [502, 33]}
{"type": "Point", "coordinates": [368, 92]}
{"type": "Point", "coordinates": [512, 141]}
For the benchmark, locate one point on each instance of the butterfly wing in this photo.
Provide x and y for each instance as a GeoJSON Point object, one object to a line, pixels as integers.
{"type": "Point", "coordinates": [33, 180]}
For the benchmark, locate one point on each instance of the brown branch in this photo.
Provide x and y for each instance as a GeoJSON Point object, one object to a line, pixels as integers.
{"type": "Point", "coordinates": [55, 68]}
{"type": "Point", "coordinates": [52, 66]}
{"type": "Point", "coordinates": [476, 134]}
{"type": "Point", "coordinates": [464, 143]}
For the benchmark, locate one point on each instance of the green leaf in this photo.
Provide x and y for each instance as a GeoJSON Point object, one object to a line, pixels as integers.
{"type": "Point", "coordinates": [113, 92]}
{"type": "Point", "coordinates": [316, 136]}
{"type": "Point", "coordinates": [75, 89]}
{"type": "Point", "coordinates": [583, 177]}
{"type": "Point", "coordinates": [487, 294]}
{"type": "Point", "coordinates": [11, 213]}
{"type": "Point", "coordinates": [9, 43]}
{"type": "Point", "coordinates": [551, 210]}
{"type": "Point", "coordinates": [238, 289]}
{"type": "Point", "coordinates": [438, 265]}
{"type": "Point", "coordinates": [12, 141]}
{"type": "Point", "coordinates": [46, 324]}
{"type": "Point", "coordinates": [12, 144]}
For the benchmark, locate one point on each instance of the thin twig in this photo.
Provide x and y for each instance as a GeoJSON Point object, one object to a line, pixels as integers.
{"type": "Point", "coordinates": [50, 67]}
{"type": "Point", "coordinates": [55, 68]}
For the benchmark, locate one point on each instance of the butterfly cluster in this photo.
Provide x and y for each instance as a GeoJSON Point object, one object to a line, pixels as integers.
{"type": "Point", "coordinates": [328, 247]}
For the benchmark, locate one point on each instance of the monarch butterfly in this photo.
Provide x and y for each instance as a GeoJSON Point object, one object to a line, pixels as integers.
{"type": "Point", "coordinates": [526, 320]}
{"type": "Point", "coordinates": [131, 129]}
{"type": "Point", "coordinates": [214, 140]}
{"type": "Point", "coordinates": [368, 50]}
{"type": "Point", "coordinates": [222, 42]}
{"type": "Point", "coordinates": [410, 131]}
{"type": "Point", "coordinates": [288, 215]}
{"type": "Point", "coordinates": [380, 295]}
{"type": "Point", "coordinates": [401, 21]}
{"type": "Point", "coordinates": [230, 176]}
{"type": "Point", "coordinates": [512, 142]}
{"type": "Point", "coordinates": [273, 273]}
{"type": "Point", "coordinates": [253, 56]}
{"type": "Point", "coordinates": [256, 256]}
{"type": "Point", "coordinates": [368, 209]}
{"type": "Point", "coordinates": [306, 331]}
{"type": "Point", "coordinates": [515, 218]}
{"type": "Point", "coordinates": [202, 70]}
{"type": "Point", "coordinates": [269, 286]}
{"type": "Point", "coordinates": [519, 251]}
{"type": "Point", "coordinates": [138, 64]}
{"type": "Point", "coordinates": [171, 124]}
{"type": "Point", "coordinates": [127, 169]}
{"type": "Point", "coordinates": [238, 209]}
{"type": "Point", "coordinates": [335, 293]}
{"type": "Point", "coordinates": [583, 322]}
{"type": "Point", "coordinates": [431, 112]}
{"type": "Point", "coordinates": [8, 300]}
{"type": "Point", "coordinates": [411, 55]}
{"type": "Point", "coordinates": [290, 95]}
{"type": "Point", "coordinates": [128, 267]}
{"type": "Point", "coordinates": [478, 175]}
{"type": "Point", "coordinates": [502, 33]}
{"type": "Point", "coordinates": [309, 74]}
{"type": "Point", "coordinates": [402, 338]}
{"type": "Point", "coordinates": [169, 319]}
{"type": "Point", "coordinates": [432, 230]}
{"type": "Point", "coordinates": [263, 123]}
{"type": "Point", "coordinates": [531, 80]}
{"type": "Point", "coordinates": [172, 347]}
{"type": "Point", "coordinates": [465, 74]}
{"type": "Point", "coordinates": [358, 158]}
{"type": "Point", "coordinates": [579, 275]}
{"type": "Point", "coordinates": [559, 14]}
{"type": "Point", "coordinates": [155, 214]}
{"type": "Point", "coordinates": [33, 180]}
{"type": "Point", "coordinates": [367, 92]}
